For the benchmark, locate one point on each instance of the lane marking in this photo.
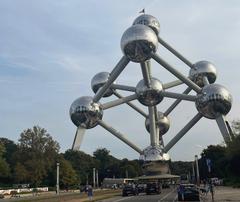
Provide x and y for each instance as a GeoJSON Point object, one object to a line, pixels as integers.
{"type": "Point", "coordinates": [175, 199]}
{"type": "Point", "coordinates": [167, 195]}
{"type": "Point", "coordinates": [122, 199]}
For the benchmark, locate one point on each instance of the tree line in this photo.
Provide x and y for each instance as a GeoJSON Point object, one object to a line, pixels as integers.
{"type": "Point", "coordinates": [32, 160]}
{"type": "Point", "coordinates": [224, 159]}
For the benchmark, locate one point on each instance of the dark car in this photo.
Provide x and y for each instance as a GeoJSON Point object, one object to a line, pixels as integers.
{"type": "Point", "coordinates": [165, 185]}
{"type": "Point", "coordinates": [141, 188]}
{"type": "Point", "coordinates": [189, 192]}
{"type": "Point", "coordinates": [129, 189]}
{"type": "Point", "coordinates": [153, 188]}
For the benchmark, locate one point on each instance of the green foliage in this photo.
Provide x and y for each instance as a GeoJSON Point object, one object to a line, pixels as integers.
{"type": "Point", "coordinates": [67, 174]}
{"type": "Point", "coordinates": [180, 167]}
{"type": "Point", "coordinates": [37, 153]}
{"type": "Point", "coordinates": [20, 173]}
{"type": "Point", "coordinates": [4, 167]}
{"type": "Point", "coordinates": [82, 163]}
{"type": "Point", "coordinates": [10, 149]}
{"type": "Point", "coordinates": [225, 159]}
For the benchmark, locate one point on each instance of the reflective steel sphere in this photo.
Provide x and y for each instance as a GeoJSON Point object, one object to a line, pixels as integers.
{"type": "Point", "coordinates": [201, 69]}
{"type": "Point", "coordinates": [214, 100]}
{"type": "Point", "coordinates": [98, 81]}
{"type": "Point", "coordinates": [155, 153]}
{"type": "Point", "coordinates": [138, 42]}
{"type": "Point", "coordinates": [162, 122]}
{"type": "Point", "coordinates": [84, 112]}
{"type": "Point", "coordinates": [149, 96]}
{"type": "Point", "coordinates": [149, 21]}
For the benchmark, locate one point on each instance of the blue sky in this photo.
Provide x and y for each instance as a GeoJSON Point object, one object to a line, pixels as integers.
{"type": "Point", "coordinates": [51, 49]}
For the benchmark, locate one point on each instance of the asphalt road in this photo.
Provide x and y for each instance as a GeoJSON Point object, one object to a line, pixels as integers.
{"type": "Point", "coordinates": [166, 195]}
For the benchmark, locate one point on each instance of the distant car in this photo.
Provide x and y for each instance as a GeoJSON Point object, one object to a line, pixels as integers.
{"type": "Point", "coordinates": [189, 191]}
{"type": "Point", "coordinates": [165, 185]}
{"type": "Point", "coordinates": [114, 186]}
{"type": "Point", "coordinates": [129, 189]}
{"type": "Point", "coordinates": [153, 188]}
{"type": "Point", "coordinates": [83, 188]}
{"type": "Point", "coordinates": [141, 188]}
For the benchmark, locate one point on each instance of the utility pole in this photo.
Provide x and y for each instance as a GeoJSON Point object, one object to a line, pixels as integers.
{"type": "Point", "coordinates": [57, 184]}
{"type": "Point", "coordinates": [126, 173]}
{"type": "Point", "coordinates": [197, 170]}
{"type": "Point", "coordinates": [97, 178]}
{"type": "Point", "coordinates": [193, 173]}
{"type": "Point", "coordinates": [94, 177]}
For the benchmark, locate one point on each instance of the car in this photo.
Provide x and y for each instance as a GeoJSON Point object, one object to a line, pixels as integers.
{"type": "Point", "coordinates": [153, 188]}
{"type": "Point", "coordinates": [141, 188]}
{"type": "Point", "coordinates": [165, 185]}
{"type": "Point", "coordinates": [129, 189]}
{"type": "Point", "coordinates": [190, 192]}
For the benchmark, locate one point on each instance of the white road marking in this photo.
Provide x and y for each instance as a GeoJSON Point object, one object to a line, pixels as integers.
{"type": "Point", "coordinates": [167, 195]}
{"type": "Point", "coordinates": [122, 199]}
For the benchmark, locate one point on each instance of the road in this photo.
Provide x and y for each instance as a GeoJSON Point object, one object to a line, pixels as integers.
{"type": "Point", "coordinates": [166, 195]}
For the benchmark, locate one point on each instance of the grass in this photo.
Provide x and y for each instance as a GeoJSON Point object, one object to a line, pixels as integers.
{"type": "Point", "coordinates": [98, 195]}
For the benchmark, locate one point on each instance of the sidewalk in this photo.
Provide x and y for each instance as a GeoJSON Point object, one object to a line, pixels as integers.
{"type": "Point", "coordinates": [223, 194]}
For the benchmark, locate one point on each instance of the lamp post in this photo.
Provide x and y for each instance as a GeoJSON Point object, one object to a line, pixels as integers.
{"type": "Point", "coordinates": [57, 184]}
{"type": "Point", "coordinates": [94, 177]}
{"type": "Point", "coordinates": [197, 170]}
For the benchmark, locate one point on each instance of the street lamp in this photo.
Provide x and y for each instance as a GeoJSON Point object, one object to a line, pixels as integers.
{"type": "Point", "coordinates": [57, 184]}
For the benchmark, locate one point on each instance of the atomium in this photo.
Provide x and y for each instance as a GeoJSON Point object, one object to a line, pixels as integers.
{"type": "Point", "coordinates": [213, 101]}
{"type": "Point", "coordinates": [203, 69]}
{"type": "Point", "coordinates": [149, 21]}
{"type": "Point", "coordinates": [149, 96]}
{"type": "Point", "coordinates": [98, 81]}
{"type": "Point", "coordinates": [139, 44]}
{"type": "Point", "coordinates": [85, 113]}
{"type": "Point", "coordinates": [162, 123]}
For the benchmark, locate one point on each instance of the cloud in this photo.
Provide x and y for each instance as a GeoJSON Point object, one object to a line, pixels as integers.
{"type": "Point", "coordinates": [51, 49]}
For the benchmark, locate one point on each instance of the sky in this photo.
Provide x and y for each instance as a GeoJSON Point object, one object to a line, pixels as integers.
{"type": "Point", "coordinates": [51, 49]}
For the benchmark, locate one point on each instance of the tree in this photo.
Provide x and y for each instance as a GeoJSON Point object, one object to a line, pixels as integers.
{"type": "Point", "coordinates": [82, 163]}
{"type": "Point", "coordinates": [37, 152]}
{"type": "Point", "coordinates": [10, 149]}
{"type": "Point", "coordinates": [20, 173]}
{"type": "Point", "coordinates": [4, 167]}
{"type": "Point", "coordinates": [67, 174]}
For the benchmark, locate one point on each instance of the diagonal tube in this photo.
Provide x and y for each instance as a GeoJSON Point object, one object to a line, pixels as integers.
{"type": "Point", "coordinates": [172, 84]}
{"type": "Point", "coordinates": [152, 125]}
{"type": "Point", "coordinates": [156, 125]}
{"type": "Point", "coordinates": [174, 52]}
{"type": "Point", "coordinates": [123, 87]}
{"type": "Point", "coordinates": [182, 132]}
{"type": "Point", "coordinates": [131, 105]}
{"type": "Point", "coordinates": [176, 102]}
{"type": "Point", "coordinates": [146, 74]}
{"type": "Point", "coordinates": [224, 128]}
{"type": "Point", "coordinates": [113, 75]}
{"type": "Point", "coordinates": [120, 101]}
{"type": "Point", "coordinates": [119, 136]}
{"type": "Point", "coordinates": [176, 73]}
{"type": "Point", "coordinates": [179, 96]}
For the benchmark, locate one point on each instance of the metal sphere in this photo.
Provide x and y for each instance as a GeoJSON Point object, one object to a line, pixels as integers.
{"type": "Point", "coordinates": [155, 153]}
{"type": "Point", "coordinates": [162, 122]}
{"type": "Point", "coordinates": [149, 96]}
{"type": "Point", "coordinates": [138, 42]}
{"type": "Point", "coordinates": [201, 69]}
{"type": "Point", "coordinates": [85, 113]}
{"type": "Point", "coordinates": [149, 21]}
{"type": "Point", "coordinates": [214, 100]}
{"type": "Point", "coordinates": [98, 81]}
